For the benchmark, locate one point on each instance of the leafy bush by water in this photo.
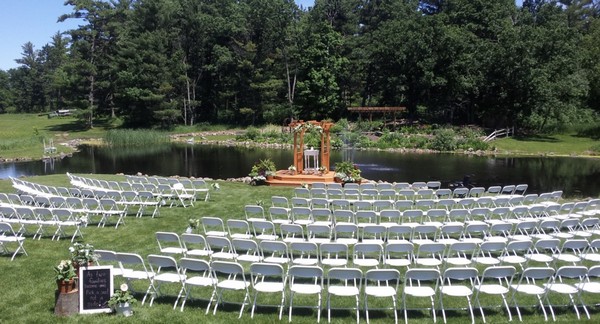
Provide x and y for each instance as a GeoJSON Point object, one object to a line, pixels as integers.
{"type": "Point", "coordinates": [135, 137]}
{"type": "Point", "coordinates": [444, 140]}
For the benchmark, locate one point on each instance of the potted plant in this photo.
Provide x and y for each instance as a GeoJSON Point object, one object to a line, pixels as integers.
{"type": "Point", "coordinates": [292, 169]}
{"type": "Point", "coordinates": [322, 170]}
{"type": "Point", "coordinates": [121, 301]}
{"type": "Point", "coordinates": [347, 172]}
{"type": "Point", "coordinates": [262, 170]}
{"type": "Point", "coordinates": [65, 276]}
{"type": "Point", "coordinates": [82, 255]}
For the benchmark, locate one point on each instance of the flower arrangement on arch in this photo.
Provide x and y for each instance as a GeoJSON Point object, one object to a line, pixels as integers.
{"type": "Point", "coordinates": [65, 270]}
{"type": "Point", "coordinates": [121, 296]}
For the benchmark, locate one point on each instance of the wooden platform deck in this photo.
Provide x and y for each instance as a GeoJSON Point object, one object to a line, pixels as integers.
{"type": "Point", "coordinates": [285, 178]}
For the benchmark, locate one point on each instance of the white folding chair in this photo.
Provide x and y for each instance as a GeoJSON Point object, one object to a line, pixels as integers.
{"type": "Point", "coordinates": [345, 233]}
{"type": "Point", "coordinates": [430, 255]}
{"type": "Point", "coordinates": [560, 285]}
{"type": "Point", "coordinates": [319, 233]}
{"type": "Point", "coordinates": [304, 253]}
{"type": "Point", "coordinates": [264, 230]}
{"type": "Point", "coordinates": [333, 254]}
{"type": "Point", "coordinates": [213, 226]}
{"type": "Point", "coordinates": [230, 277]}
{"type": "Point", "coordinates": [542, 251]}
{"type": "Point", "coordinates": [195, 245]}
{"type": "Point", "coordinates": [591, 284]}
{"type": "Point", "coordinates": [268, 278]}
{"type": "Point", "coordinates": [239, 229]}
{"type": "Point", "coordinates": [246, 250]}
{"type": "Point", "coordinates": [254, 213]}
{"type": "Point", "coordinates": [8, 236]}
{"type": "Point", "coordinates": [495, 281]}
{"type": "Point", "coordinates": [292, 233]}
{"type": "Point", "coordinates": [279, 215]}
{"type": "Point", "coordinates": [274, 252]}
{"type": "Point", "coordinates": [459, 254]}
{"type": "Point", "coordinates": [399, 254]}
{"type": "Point", "coordinates": [347, 282]}
{"type": "Point", "coordinates": [109, 258]}
{"type": "Point", "coordinates": [571, 251]}
{"type": "Point", "coordinates": [458, 282]}
{"type": "Point", "coordinates": [195, 273]}
{"type": "Point", "coordinates": [170, 243]}
{"type": "Point", "coordinates": [531, 283]}
{"type": "Point", "coordinates": [165, 270]}
{"type": "Point", "coordinates": [134, 268]}
{"type": "Point", "coordinates": [367, 255]}
{"type": "Point", "coordinates": [515, 253]}
{"type": "Point", "coordinates": [382, 283]}
{"type": "Point", "coordinates": [488, 253]}
{"type": "Point", "coordinates": [301, 215]}
{"type": "Point", "coordinates": [305, 280]}
{"type": "Point", "coordinates": [420, 283]}
{"type": "Point", "coordinates": [222, 248]}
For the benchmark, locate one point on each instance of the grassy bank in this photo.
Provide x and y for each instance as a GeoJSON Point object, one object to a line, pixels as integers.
{"type": "Point", "coordinates": [28, 285]}
{"type": "Point", "coordinates": [561, 144]}
{"type": "Point", "coordinates": [22, 137]}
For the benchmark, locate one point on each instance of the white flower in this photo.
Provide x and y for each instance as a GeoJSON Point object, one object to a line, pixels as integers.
{"type": "Point", "coordinates": [124, 287]}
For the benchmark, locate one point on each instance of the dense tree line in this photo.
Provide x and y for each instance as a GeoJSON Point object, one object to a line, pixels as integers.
{"type": "Point", "coordinates": [167, 62]}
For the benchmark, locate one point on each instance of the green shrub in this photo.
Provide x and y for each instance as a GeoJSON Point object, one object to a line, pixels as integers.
{"type": "Point", "coordinates": [444, 140]}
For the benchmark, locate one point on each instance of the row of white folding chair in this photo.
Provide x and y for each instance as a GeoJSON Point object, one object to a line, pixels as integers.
{"type": "Point", "coordinates": [198, 186]}
{"type": "Point", "coordinates": [352, 233]}
{"type": "Point", "coordinates": [404, 212]}
{"type": "Point", "coordinates": [41, 218]}
{"type": "Point", "coordinates": [414, 284]}
{"type": "Point", "coordinates": [31, 188]}
{"type": "Point", "coordinates": [420, 250]}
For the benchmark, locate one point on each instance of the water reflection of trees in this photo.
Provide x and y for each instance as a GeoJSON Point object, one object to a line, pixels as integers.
{"type": "Point", "coordinates": [133, 152]}
{"type": "Point", "coordinates": [575, 176]}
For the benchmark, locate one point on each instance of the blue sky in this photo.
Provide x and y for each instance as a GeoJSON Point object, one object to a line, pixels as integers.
{"type": "Point", "coordinates": [34, 21]}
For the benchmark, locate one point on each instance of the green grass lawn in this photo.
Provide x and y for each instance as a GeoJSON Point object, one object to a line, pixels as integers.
{"type": "Point", "coordinates": [28, 286]}
{"type": "Point", "coordinates": [22, 135]}
{"type": "Point", "coordinates": [561, 144]}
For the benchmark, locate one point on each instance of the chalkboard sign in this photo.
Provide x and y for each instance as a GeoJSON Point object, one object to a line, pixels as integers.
{"type": "Point", "coordinates": [95, 289]}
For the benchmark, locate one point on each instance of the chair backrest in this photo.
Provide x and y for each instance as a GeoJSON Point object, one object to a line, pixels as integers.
{"type": "Point", "coordinates": [194, 242]}
{"type": "Point", "coordinates": [196, 265]}
{"type": "Point", "coordinates": [537, 273]}
{"type": "Point", "coordinates": [237, 227]}
{"type": "Point", "coordinates": [314, 272]}
{"type": "Point", "coordinates": [228, 268]}
{"type": "Point", "coordinates": [347, 276]}
{"type": "Point", "coordinates": [421, 275]}
{"type": "Point", "coordinates": [260, 271]}
{"type": "Point", "coordinates": [500, 272]}
{"type": "Point", "coordinates": [274, 248]}
{"type": "Point", "coordinates": [460, 274]}
{"type": "Point", "coordinates": [160, 262]}
{"type": "Point", "coordinates": [254, 211]}
{"type": "Point", "coordinates": [280, 201]}
{"type": "Point", "coordinates": [292, 232]}
{"type": "Point", "coordinates": [383, 277]}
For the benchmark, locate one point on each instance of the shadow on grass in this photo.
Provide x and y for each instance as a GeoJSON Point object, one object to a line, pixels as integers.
{"type": "Point", "coordinates": [537, 138]}
{"type": "Point", "coordinates": [80, 126]}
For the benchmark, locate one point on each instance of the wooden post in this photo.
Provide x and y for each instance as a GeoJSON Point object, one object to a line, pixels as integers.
{"type": "Point", "coordinates": [66, 303]}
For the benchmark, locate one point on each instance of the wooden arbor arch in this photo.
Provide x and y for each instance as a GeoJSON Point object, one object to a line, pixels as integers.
{"type": "Point", "coordinates": [299, 128]}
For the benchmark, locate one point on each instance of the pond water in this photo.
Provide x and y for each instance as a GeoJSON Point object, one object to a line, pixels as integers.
{"type": "Point", "coordinates": [575, 176]}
